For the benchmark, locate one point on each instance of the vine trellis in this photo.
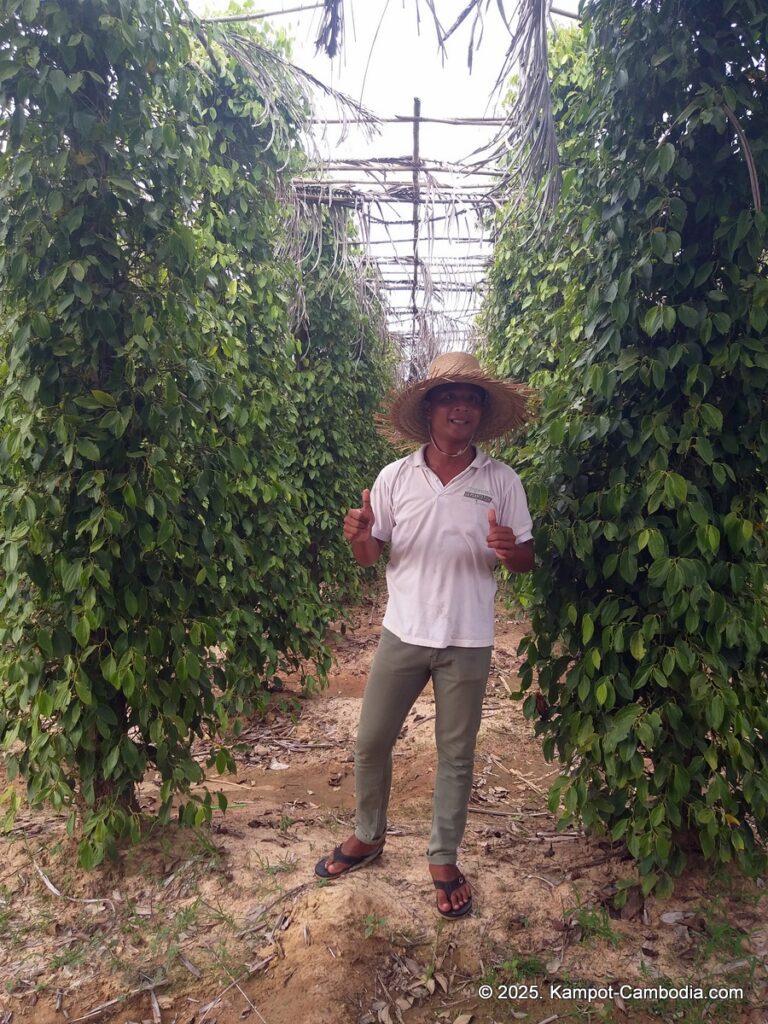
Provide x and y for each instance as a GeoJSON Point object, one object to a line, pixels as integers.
{"type": "Point", "coordinates": [435, 217]}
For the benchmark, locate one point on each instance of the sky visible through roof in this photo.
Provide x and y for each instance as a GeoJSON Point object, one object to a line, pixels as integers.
{"type": "Point", "coordinates": [389, 56]}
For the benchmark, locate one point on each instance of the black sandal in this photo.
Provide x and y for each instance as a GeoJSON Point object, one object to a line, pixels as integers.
{"type": "Point", "coordinates": [451, 887]}
{"type": "Point", "coordinates": [352, 862]}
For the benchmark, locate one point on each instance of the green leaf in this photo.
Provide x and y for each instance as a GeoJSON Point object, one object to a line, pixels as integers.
{"type": "Point", "coordinates": [110, 761]}
{"type": "Point", "coordinates": [660, 56]}
{"type": "Point", "coordinates": [83, 632]}
{"type": "Point", "coordinates": [688, 316]}
{"type": "Point", "coordinates": [619, 829]}
{"type": "Point", "coordinates": [715, 711]}
{"type": "Point", "coordinates": [156, 643]}
{"type": "Point", "coordinates": [71, 576]}
{"type": "Point", "coordinates": [652, 321]}
{"type": "Point", "coordinates": [666, 157]}
{"type": "Point", "coordinates": [628, 566]}
{"type": "Point", "coordinates": [620, 310]}
{"type": "Point", "coordinates": [648, 882]}
{"type": "Point", "coordinates": [88, 450]}
{"type": "Point", "coordinates": [637, 646]}
{"type": "Point", "coordinates": [556, 431]}
{"type": "Point", "coordinates": [658, 242]}
{"type": "Point", "coordinates": [711, 416]}
{"type": "Point", "coordinates": [58, 276]}
{"type": "Point", "coordinates": [83, 689]}
{"type": "Point", "coordinates": [705, 450]}
{"type": "Point", "coordinates": [587, 629]}
{"type": "Point", "coordinates": [83, 292]}
{"type": "Point", "coordinates": [103, 398]}
{"type": "Point", "coordinates": [58, 81]}
{"type": "Point", "coordinates": [679, 487]}
{"type": "Point", "coordinates": [758, 318]}
{"type": "Point", "coordinates": [668, 317]}
{"type": "Point", "coordinates": [722, 322]}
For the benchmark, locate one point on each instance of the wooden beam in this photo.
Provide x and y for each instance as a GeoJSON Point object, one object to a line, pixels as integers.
{"type": "Point", "coordinates": [416, 119]}
{"type": "Point", "coordinates": [563, 14]}
{"type": "Point", "coordinates": [262, 14]}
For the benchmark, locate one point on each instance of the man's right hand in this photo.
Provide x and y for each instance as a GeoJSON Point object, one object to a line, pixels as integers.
{"type": "Point", "coordinates": [358, 522]}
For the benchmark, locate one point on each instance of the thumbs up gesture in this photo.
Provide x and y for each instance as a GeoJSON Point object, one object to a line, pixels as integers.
{"type": "Point", "coordinates": [500, 538]}
{"type": "Point", "coordinates": [358, 522]}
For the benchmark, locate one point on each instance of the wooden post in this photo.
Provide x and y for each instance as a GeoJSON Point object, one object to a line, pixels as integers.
{"type": "Point", "coordinates": [416, 119]}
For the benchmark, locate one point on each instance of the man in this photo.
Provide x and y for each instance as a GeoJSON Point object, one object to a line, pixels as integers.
{"type": "Point", "coordinates": [450, 514]}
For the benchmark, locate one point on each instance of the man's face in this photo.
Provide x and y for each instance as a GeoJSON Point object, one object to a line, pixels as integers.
{"type": "Point", "coordinates": [454, 411]}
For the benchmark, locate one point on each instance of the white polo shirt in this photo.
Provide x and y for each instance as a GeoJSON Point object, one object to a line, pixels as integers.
{"type": "Point", "coordinates": [440, 569]}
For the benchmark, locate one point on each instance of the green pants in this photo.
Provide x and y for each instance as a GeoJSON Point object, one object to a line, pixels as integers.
{"type": "Point", "coordinates": [399, 673]}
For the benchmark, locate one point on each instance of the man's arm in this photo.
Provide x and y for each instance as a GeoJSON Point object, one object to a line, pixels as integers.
{"type": "Point", "coordinates": [516, 557]}
{"type": "Point", "coordinates": [358, 524]}
{"type": "Point", "coordinates": [520, 558]}
{"type": "Point", "coordinates": [366, 552]}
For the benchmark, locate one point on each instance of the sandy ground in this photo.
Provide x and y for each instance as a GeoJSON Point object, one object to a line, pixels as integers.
{"type": "Point", "coordinates": [226, 924]}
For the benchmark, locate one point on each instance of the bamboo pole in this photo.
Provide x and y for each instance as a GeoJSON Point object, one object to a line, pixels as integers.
{"type": "Point", "coordinates": [435, 238]}
{"type": "Point", "coordinates": [406, 285]}
{"type": "Point", "coordinates": [256, 17]}
{"type": "Point", "coordinates": [416, 119]}
{"type": "Point", "coordinates": [404, 164]}
{"type": "Point", "coordinates": [407, 119]}
{"type": "Point", "coordinates": [563, 14]}
{"type": "Point", "coordinates": [401, 194]}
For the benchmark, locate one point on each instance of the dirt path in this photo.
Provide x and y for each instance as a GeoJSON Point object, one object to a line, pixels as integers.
{"type": "Point", "coordinates": [229, 924]}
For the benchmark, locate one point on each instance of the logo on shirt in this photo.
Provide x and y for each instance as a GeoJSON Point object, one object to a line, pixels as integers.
{"type": "Point", "coordinates": [479, 496]}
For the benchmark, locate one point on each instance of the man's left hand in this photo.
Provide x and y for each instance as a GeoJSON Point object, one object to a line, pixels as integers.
{"type": "Point", "coordinates": [500, 538]}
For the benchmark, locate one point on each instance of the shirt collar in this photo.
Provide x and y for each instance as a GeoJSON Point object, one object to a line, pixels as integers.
{"type": "Point", "coordinates": [417, 458]}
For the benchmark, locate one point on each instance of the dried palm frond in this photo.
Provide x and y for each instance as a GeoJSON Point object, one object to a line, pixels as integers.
{"type": "Point", "coordinates": [525, 141]}
{"type": "Point", "coordinates": [331, 35]}
{"type": "Point", "coordinates": [289, 94]}
{"type": "Point", "coordinates": [532, 138]}
{"type": "Point", "coordinates": [284, 84]}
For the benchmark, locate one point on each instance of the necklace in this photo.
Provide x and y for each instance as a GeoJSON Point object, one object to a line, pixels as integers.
{"type": "Point", "coordinates": [450, 455]}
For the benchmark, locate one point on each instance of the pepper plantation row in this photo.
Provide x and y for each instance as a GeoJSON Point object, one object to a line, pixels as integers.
{"type": "Point", "coordinates": [641, 314]}
{"type": "Point", "coordinates": [176, 442]}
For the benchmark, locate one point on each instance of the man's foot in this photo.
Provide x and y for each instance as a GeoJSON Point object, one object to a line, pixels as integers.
{"type": "Point", "coordinates": [454, 893]}
{"type": "Point", "coordinates": [350, 855]}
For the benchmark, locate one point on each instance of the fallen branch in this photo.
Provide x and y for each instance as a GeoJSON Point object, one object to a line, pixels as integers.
{"type": "Point", "coordinates": [518, 775]}
{"type": "Point", "coordinates": [252, 1006]}
{"type": "Point", "coordinates": [541, 878]}
{"type": "Point", "coordinates": [71, 899]}
{"type": "Point", "coordinates": [99, 1010]}
{"type": "Point", "coordinates": [496, 814]}
{"type": "Point", "coordinates": [297, 889]}
{"type": "Point", "coordinates": [156, 1015]}
{"type": "Point", "coordinates": [288, 745]}
{"type": "Point", "coordinates": [205, 1010]}
{"type": "Point", "coordinates": [428, 718]}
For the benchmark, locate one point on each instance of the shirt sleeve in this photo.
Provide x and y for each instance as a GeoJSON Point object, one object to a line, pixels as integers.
{"type": "Point", "coordinates": [381, 503]}
{"type": "Point", "coordinates": [513, 510]}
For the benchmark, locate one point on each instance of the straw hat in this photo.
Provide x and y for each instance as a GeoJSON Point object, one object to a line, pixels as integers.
{"type": "Point", "coordinates": [506, 404]}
